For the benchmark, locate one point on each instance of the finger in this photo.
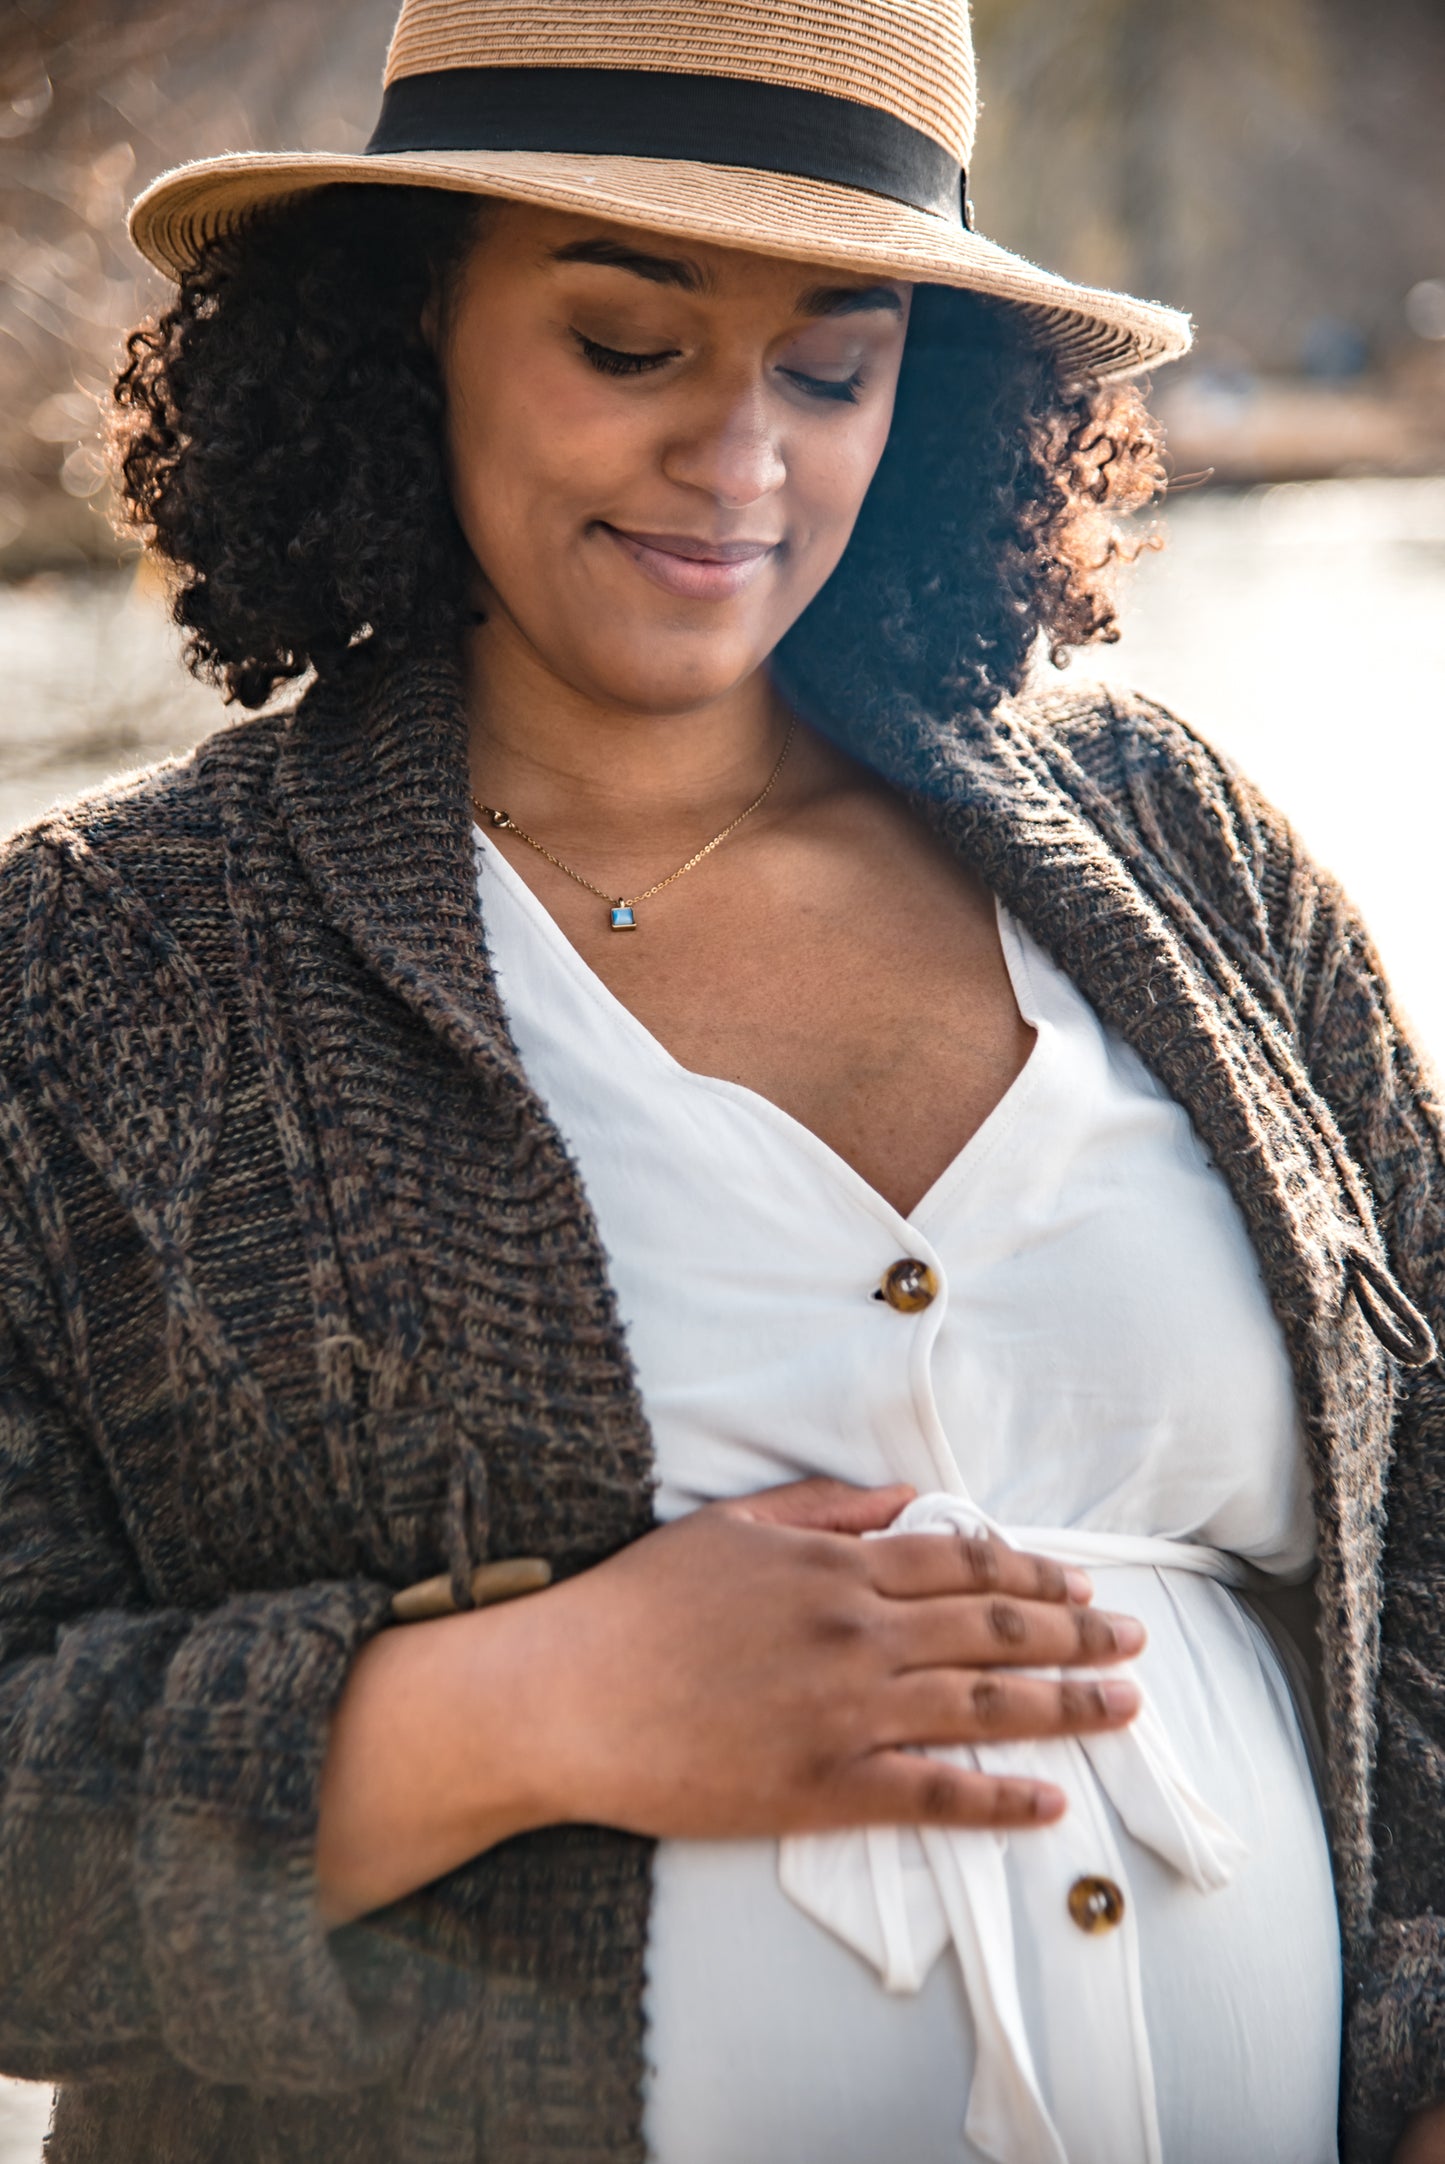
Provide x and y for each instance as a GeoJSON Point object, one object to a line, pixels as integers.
{"type": "Point", "coordinates": [828, 1506]}
{"type": "Point", "coordinates": [900, 1788]}
{"type": "Point", "coordinates": [951, 1705]}
{"type": "Point", "coordinates": [970, 1630]}
{"type": "Point", "coordinates": [913, 1566]}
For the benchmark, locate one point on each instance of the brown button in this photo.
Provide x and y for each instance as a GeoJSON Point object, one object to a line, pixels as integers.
{"type": "Point", "coordinates": [1096, 1904]}
{"type": "Point", "coordinates": [909, 1286]}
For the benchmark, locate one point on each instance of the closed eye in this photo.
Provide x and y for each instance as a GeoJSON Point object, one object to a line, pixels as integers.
{"type": "Point", "coordinates": [615, 361]}
{"type": "Point", "coordinates": [845, 388]}
{"type": "Point", "coordinates": [612, 361]}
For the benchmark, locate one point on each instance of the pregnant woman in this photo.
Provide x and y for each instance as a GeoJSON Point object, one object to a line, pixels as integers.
{"type": "Point", "coordinates": [657, 1075]}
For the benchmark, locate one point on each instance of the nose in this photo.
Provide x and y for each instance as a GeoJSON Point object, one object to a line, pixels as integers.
{"type": "Point", "coordinates": [731, 449]}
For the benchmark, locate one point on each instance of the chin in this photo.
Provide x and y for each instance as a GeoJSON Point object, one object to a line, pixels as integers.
{"type": "Point", "coordinates": [662, 698]}
{"type": "Point", "coordinates": [674, 684]}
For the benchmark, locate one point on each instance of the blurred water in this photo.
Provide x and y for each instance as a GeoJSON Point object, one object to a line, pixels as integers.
{"type": "Point", "coordinates": [90, 686]}
{"type": "Point", "coordinates": [1300, 627]}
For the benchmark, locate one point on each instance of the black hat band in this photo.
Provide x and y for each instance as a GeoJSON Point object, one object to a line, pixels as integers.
{"type": "Point", "coordinates": [651, 113]}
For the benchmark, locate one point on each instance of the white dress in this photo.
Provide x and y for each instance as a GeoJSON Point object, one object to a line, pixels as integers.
{"type": "Point", "coordinates": [1099, 1372]}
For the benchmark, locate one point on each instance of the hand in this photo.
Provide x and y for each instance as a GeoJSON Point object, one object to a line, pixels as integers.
{"type": "Point", "coordinates": [1423, 2141]}
{"type": "Point", "coordinates": [756, 1669]}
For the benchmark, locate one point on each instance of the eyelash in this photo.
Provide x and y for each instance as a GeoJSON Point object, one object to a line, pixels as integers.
{"type": "Point", "coordinates": [612, 361]}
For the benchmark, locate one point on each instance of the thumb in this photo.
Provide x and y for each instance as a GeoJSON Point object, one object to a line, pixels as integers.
{"type": "Point", "coordinates": [825, 1506]}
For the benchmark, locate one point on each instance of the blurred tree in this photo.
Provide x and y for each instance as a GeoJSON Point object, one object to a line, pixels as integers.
{"type": "Point", "coordinates": [96, 98]}
{"type": "Point", "coordinates": [1269, 164]}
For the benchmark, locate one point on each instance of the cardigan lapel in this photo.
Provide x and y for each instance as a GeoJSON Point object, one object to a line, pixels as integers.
{"type": "Point", "coordinates": [517, 1336]}
{"type": "Point", "coordinates": [522, 1350]}
{"type": "Point", "coordinates": [373, 789]}
{"type": "Point", "coordinates": [998, 805]}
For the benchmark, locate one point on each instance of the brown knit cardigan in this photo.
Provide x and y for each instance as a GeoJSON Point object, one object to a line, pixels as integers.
{"type": "Point", "coordinates": [301, 1299]}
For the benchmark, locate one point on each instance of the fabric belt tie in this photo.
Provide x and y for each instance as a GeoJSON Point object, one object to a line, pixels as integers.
{"type": "Point", "coordinates": [859, 1886]}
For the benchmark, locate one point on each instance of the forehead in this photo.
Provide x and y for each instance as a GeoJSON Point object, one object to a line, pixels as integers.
{"type": "Point", "coordinates": [560, 245]}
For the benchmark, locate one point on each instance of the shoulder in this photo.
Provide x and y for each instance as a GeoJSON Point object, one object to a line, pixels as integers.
{"type": "Point", "coordinates": [158, 809]}
{"type": "Point", "coordinates": [149, 806]}
{"type": "Point", "coordinates": [1121, 739]}
{"type": "Point", "coordinates": [1226, 865]}
{"type": "Point", "coordinates": [134, 867]}
{"type": "Point", "coordinates": [1180, 812]}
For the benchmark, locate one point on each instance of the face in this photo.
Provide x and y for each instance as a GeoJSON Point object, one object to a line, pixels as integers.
{"type": "Point", "coordinates": [658, 448]}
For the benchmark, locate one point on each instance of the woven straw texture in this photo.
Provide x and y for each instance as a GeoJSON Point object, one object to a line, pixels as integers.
{"type": "Point", "coordinates": [1106, 334]}
{"type": "Point", "coordinates": [913, 58]}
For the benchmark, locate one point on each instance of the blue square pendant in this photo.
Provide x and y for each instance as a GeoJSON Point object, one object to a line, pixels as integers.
{"type": "Point", "coordinates": [622, 918]}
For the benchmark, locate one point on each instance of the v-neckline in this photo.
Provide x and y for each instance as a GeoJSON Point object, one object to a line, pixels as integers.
{"type": "Point", "coordinates": [982, 1144]}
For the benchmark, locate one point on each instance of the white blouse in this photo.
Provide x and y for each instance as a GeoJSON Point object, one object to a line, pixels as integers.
{"type": "Point", "coordinates": [1098, 1373]}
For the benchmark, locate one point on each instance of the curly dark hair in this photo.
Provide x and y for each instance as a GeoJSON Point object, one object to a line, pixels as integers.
{"type": "Point", "coordinates": [278, 445]}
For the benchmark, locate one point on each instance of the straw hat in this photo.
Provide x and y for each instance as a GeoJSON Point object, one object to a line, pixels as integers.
{"type": "Point", "coordinates": [830, 133]}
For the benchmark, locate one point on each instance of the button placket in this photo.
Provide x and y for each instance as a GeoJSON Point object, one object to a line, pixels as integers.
{"type": "Point", "coordinates": [1097, 2064]}
{"type": "Point", "coordinates": [910, 1295]}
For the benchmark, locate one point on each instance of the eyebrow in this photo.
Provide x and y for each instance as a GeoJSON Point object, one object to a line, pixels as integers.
{"type": "Point", "coordinates": [690, 277]}
{"type": "Point", "coordinates": [849, 300]}
{"type": "Point", "coordinates": [660, 270]}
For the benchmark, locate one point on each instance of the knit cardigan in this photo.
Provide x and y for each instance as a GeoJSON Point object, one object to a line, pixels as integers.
{"type": "Point", "coordinates": [301, 1300]}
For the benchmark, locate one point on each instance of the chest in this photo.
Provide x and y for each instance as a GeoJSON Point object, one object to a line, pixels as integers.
{"type": "Point", "coordinates": [850, 972]}
{"type": "Point", "coordinates": [1094, 1337]}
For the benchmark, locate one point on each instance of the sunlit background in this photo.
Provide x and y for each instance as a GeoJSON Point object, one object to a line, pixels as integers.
{"type": "Point", "coordinates": [1275, 166]}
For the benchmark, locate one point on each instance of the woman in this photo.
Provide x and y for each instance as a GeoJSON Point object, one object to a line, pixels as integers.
{"type": "Point", "coordinates": [992, 1133]}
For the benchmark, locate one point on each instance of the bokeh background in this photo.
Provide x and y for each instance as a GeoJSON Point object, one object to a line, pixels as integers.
{"type": "Point", "coordinates": [1277, 167]}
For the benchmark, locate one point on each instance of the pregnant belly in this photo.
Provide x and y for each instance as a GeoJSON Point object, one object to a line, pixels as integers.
{"type": "Point", "coordinates": [771, 2039]}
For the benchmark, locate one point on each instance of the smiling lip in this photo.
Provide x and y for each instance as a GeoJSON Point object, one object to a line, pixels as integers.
{"type": "Point", "coordinates": [699, 570]}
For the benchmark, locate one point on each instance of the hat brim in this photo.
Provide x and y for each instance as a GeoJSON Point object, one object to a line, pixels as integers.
{"type": "Point", "coordinates": [1093, 331]}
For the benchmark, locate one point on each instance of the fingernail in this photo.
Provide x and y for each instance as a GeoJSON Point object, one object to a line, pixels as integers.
{"type": "Point", "coordinates": [1050, 1803]}
{"type": "Point", "coordinates": [1128, 1632]}
{"type": "Point", "coordinates": [1121, 1697]}
{"type": "Point", "coordinates": [1080, 1585]}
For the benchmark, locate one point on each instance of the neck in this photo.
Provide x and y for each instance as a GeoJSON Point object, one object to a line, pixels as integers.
{"type": "Point", "coordinates": [573, 766]}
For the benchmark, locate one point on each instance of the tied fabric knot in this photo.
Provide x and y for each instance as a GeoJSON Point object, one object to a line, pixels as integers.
{"type": "Point", "coordinates": [899, 1895]}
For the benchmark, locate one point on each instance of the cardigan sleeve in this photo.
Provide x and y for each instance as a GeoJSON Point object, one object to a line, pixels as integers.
{"type": "Point", "coordinates": [1287, 926]}
{"type": "Point", "coordinates": [159, 1774]}
{"type": "Point", "coordinates": [1385, 1100]}
{"type": "Point", "coordinates": [1364, 1063]}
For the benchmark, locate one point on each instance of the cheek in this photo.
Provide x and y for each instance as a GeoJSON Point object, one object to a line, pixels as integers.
{"type": "Point", "coordinates": [864, 446]}
{"type": "Point", "coordinates": [830, 472]}
{"type": "Point", "coordinates": [529, 448]}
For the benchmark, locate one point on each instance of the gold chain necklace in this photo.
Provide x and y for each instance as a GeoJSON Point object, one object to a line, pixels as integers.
{"type": "Point", "coordinates": [621, 913]}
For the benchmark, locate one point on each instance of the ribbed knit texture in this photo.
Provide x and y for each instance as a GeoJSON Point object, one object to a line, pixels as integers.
{"type": "Point", "coordinates": [301, 1299]}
